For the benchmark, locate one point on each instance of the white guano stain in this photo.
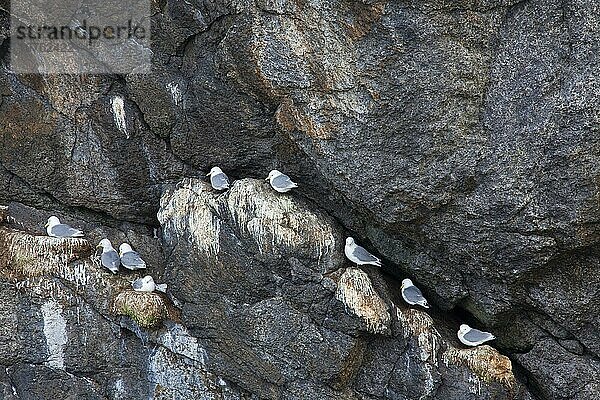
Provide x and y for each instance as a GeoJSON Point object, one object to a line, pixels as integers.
{"type": "Point", "coordinates": [176, 93]}
{"type": "Point", "coordinates": [120, 389]}
{"type": "Point", "coordinates": [170, 377]}
{"type": "Point", "coordinates": [178, 340]}
{"type": "Point", "coordinates": [55, 331]}
{"type": "Point", "coordinates": [118, 109]}
{"type": "Point", "coordinates": [358, 295]}
{"type": "Point", "coordinates": [474, 384]}
{"type": "Point", "coordinates": [276, 223]}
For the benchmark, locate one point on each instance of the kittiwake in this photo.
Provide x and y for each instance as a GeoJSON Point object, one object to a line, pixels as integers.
{"type": "Point", "coordinates": [130, 259]}
{"type": "Point", "coordinates": [110, 257]}
{"type": "Point", "coordinates": [146, 284]}
{"type": "Point", "coordinates": [412, 295]}
{"type": "Point", "coordinates": [218, 179]}
{"type": "Point", "coordinates": [55, 229]}
{"type": "Point", "coordinates": [280, 182]}
{"type": "Point", "coordinates": [473, 337]}
{"type": "Point", "coordinates": [359, 255]}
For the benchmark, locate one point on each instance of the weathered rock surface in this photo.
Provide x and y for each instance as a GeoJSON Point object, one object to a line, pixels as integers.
{"type": "Point", "coordinates": [62, 335]}
{"type": "Point", "coordinates": [458, 138]}
{"type": "Point", "coordinates": [270, 309]}
{"type": "Point", "coordinates": [265, 287]}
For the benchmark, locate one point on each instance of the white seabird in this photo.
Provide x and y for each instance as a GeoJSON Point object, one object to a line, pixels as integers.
{"type": "Point", "coordinates": [412, 295]}
{"type": "Point", "coordinates": [218, 179]}
{"type": "Point", "coordinates": [130, 259]}
{"type": "Point", "coordinates": [473, 337]}
{"type": "Point", "coordinates": [55, 229]}
{"type": "Point", "coordinates": [359, 255]}
{"type": "Point", "coordinates": [146, 284]}
{"type": "Point", "coordinates": [280, 182]}
{"type": "Point", "coordinates": [110, 257]}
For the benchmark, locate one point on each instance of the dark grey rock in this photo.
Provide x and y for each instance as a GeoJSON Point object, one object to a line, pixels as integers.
{"type": "Point", "coordinates": [557, 378]}
{"type": "Point", "coordinates": [268, 294]}
{"type": "Point", "coordinates": [61, 337]}
{"type": "Point", "coordinates": [455, 139]}
{"type": "Point", "coordinates": [572, 346]}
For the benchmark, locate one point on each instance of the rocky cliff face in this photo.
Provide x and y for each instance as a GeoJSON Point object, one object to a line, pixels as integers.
{"type": "Point", "coordinates": [261, 304]}
{"type": "Point", "coordinates": [455, 139]}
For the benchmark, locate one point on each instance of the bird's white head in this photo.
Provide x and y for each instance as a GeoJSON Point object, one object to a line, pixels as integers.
{"type": "Point", "coordinates": [105, 244]}
{"type": "Point", "coordinates": [214, 171]}
{"type": "Point", "coordinates": [464, 328]}
{"type": "Point", "coordinates": [53, 221]}
{"type": "Point", "coordinates": [273, 174]}
{"type": "Point", "coordinates": [406, 283]}
{"type": "Point", "coordinates": [349, 241]}
{"type": "Point", "coordinates": [148, 279]}
{"type": "Point", "coordinates": [125, 248]}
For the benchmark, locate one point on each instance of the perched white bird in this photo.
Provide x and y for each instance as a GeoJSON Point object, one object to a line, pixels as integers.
{"type": "Point", "coordinates": [280, 182]}
{"type": "Point", "coordinates": [110, 257]}
{"type": "Point", "coordinates": [146, 284]}
{"type": "Point", "coordinates": [130, 259]}
{"type": "Point", "coordinates": [359, 255]}
{"type": "Point", "coordinates": [412, 295]}
{"type": "Point", "coordinates": [218, 179]}
{"type": "Point", "coordinates": [55, 229]}
{"type": "Point", "coordinates": [473, 337]}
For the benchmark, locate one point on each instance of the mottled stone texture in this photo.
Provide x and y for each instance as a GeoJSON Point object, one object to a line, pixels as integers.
{"type": "Point", "coordinates": [269, 309]}
{"type": "Point", "coordinates": [264, 286]}
{"type": "Point", "coordinates": [457, 138]}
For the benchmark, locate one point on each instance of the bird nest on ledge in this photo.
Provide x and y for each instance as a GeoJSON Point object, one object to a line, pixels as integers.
{"type": "Point", "coordinates": [148, 310]}
{"type": "Point", "coordinates": [29, 255]}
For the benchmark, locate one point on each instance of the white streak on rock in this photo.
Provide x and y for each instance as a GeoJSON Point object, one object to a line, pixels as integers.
{"type": "Point", "coordinates": [190, 209]}
{"type": "Point", "coordinates": [356, 291]}
{"type": "Point", "coordinates": [278, 224]}
{"type": "Point", "coordinates": [179, 341]}
{"type": "Point", "coordinates": [417, 323]}
{"type": "Point", "coordinates": [120, 389]}
{"type": "Point", "coordinates": [172, 378]}
{"type": "Point", "coordinates": [118, 109]}
{"type": "Point", "coordinates": [55, 331]}
{"type": "Point", "coordinates": [176, 93]}
{"type": "Point", "coordinates": [474, 384]}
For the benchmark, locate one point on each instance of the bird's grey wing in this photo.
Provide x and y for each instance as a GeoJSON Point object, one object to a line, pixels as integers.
{"type": "Point", "coordinates": [219, 180]}
{"type": "Point", "coordinates": [475, 335]}
{"type": "Point", "coordinates": [132, 259]}
{"type": "Point", "coordinates": [283, 182]}
{"type": "Point", "coordinates": [63, 230]}
{"type": "Point", "coordinates": [413, 294]}
{"type": "Point", "coordinates": [137, 284]}
{"type": "Point", "coordinates": [363, 255]}
{"type": "Point", "coordinates": [110, 259]}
